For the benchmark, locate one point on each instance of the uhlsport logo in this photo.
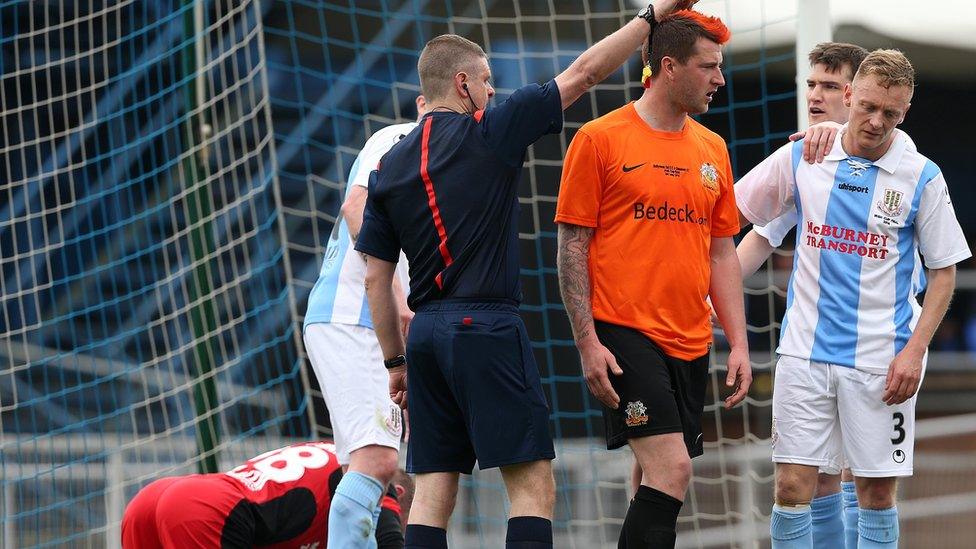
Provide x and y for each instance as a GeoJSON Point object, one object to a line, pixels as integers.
{"type": "Point", "coordinates": [331, 254]}
{"type": "Point", "coordinates": [890, 204]}
{"type": "Point", "coordinates": [898, 456]}
{"type": "Point", "coordinates": [852, 188]}
{"type": "Point", "coordinates": [636, 414]}
{"type": "Point", "coordinates": [709, 176]}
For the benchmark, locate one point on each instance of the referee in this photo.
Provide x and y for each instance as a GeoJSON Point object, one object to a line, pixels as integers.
{"type": "Point", "coordinates": [447, 195]}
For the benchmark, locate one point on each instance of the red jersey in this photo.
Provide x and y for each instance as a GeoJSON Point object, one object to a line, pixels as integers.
{"type": "Point", "coordinates": [279, 500]}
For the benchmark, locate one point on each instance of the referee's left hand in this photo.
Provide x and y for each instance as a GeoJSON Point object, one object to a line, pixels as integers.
{"type": "Point", "coordinates": [740, 377]}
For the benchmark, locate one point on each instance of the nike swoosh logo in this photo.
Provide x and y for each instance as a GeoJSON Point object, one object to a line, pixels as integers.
{"type": "Point", "coordinates": [632, 168]}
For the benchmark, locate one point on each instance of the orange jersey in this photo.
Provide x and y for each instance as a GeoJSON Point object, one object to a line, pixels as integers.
{"type": "Point", "coordinates": [656, 199]}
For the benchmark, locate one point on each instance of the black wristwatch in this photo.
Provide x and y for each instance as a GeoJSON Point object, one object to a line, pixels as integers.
{"type": "Point", "coordinates": [647, 14]}
{"type": "Point", "coordinates": [398, 360]}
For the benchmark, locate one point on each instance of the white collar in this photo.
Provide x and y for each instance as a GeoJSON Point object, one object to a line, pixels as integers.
{"type": "Point", "coordinates": [889, 162]}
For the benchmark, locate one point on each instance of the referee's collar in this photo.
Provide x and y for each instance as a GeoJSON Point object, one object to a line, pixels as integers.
{"type": "Point", "coordinates": [889, 162]}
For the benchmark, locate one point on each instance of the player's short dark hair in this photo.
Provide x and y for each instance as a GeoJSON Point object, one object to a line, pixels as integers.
{"type": "Point", "coordinates": [442, 58]}
{"type": "Point", "coordinates": [836, 56]}
{"type": "Point", "coordinates": [675, 36]}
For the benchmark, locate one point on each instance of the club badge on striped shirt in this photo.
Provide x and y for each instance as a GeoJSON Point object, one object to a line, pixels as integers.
{"type": "Point", "coordinates": [890, 204]}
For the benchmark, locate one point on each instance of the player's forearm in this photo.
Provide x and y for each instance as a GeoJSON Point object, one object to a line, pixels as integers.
{"type": "Point", "coordinates": [601, 59]}
{"type": "Point", "coordinates": [352, 210]}
{"type": "Point", "coordinates": [607, 55]}
{"type": "Point", "coordinates": [572, 260]}
{"type": "Point", "coordinates": [753, 251]}
{"type": "Point", "coordinates": [383, 306]}
{"type": "Point", "coordinates": [938, 295]}
{"type": "Point", "coordinates": [725, 290]}
{"type": "Point", "coordinates": [399, 293]}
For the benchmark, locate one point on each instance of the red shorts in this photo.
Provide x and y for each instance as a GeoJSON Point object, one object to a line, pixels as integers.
{"type": "Point", "coordinates": [188, 512]}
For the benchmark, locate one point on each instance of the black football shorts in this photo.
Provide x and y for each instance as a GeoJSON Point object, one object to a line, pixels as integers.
{"type": "Point", "coordinates": [658, 394]}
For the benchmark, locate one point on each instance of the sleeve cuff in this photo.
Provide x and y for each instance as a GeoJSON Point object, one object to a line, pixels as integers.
{"type": "Point", "coordinates": [751, 216]}
{"type": "Point", "coordinates": [573, 220]}
{"type": "Point", "coordinates": [763, 231]}
{"type": "Point", "coordinates": [554, 89]}
{"type": "Point", "coordinates": [378, 254]}
{"type": "Point", "coordinates": [949, 261]}
{"type": "Point", "coordinates": [724, 233]}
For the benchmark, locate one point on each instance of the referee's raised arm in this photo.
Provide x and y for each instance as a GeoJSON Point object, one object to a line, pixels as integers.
{"type": "Point", "coordinates": [606, 56]}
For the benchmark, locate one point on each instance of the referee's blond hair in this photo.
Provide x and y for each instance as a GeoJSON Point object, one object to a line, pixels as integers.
{"type": "Point", "coordinates": [441, 59]}
{"type": "Point", "coordinates": [889, 67]}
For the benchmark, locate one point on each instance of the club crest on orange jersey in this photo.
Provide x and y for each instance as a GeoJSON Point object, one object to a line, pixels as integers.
{"type": "Point", "coordinates": [709, 176]}
{"type": "Point", "coordinates": [636, 414]}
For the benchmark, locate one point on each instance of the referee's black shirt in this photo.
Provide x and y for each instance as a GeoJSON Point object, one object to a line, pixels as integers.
{"type": "Point", "coordinates": [447, 194]}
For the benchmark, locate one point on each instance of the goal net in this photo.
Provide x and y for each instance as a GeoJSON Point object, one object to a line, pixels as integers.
{"type": "Point", "coordinates": [146, 320]}
{"type": "Point", "coordinates": [346, 69]}
{"type": "Point", "coordinates": [342, 70]}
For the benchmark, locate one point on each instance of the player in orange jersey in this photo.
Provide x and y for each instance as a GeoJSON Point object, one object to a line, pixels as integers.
{"type": "Point", "coordinates": [646, 217]}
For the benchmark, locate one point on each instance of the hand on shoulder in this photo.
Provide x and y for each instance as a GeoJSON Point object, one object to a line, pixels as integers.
{"type": "Point", "coordinates": [818, 140]}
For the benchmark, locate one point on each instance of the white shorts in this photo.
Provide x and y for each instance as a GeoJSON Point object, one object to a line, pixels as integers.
{"type": "Point", "coordinates": [823, 413]}
{"type": "Point", "coordinates": [348, 364]}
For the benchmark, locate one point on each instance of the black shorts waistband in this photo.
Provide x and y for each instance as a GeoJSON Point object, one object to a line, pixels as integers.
{"type": "Point", "coordinates": [484, 304]}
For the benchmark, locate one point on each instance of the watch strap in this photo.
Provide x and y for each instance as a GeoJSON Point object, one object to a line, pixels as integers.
{"type": "Point", "coordinates": [398, 360]}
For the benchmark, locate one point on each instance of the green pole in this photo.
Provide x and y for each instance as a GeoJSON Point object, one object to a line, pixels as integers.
{"type": "Point", "coordinates": [203, 322]}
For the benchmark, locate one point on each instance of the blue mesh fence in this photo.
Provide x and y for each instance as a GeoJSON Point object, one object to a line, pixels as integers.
{"type": "Point", "coordinates": [342, 70]}
{"type": "Point", "coordinates": [146, 317]}
{"type": "Point", "coordinates": [170, 182]}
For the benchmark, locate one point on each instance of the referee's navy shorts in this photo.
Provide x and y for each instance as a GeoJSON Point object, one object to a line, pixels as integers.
{"type": "Point", "coordinates": [473, 389]}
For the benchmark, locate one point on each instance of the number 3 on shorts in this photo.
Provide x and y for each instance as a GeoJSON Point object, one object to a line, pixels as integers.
{"type": "Point", "coordinates": [899, 420]}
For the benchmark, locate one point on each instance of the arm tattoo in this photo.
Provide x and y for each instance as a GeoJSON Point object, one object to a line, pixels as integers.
{"type": "Point", "coordinates": [572, 261]}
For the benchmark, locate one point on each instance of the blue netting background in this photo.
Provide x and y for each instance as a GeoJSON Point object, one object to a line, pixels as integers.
{"type": "Point", "coordinates": [342, 70]}
{"type": "Point", "coordinates": [146, 314]}
{"type": "Point", "coordinates": [168, 189]}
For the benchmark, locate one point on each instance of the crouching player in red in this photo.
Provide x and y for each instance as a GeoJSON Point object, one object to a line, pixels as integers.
{"type": "Point", "coordinates": [278, 500]}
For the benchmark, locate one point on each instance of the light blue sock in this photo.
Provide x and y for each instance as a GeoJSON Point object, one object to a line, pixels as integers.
{"type": "Point", "coordinates": [850, 514]}
{"type": "Point", "coordinates": [877, 528]}
{"type": "Point", "coordinates": [790, 528]}
{"type": "Point", "coordinates": [828, 521]}
{"type": "Point", "coordinates": [372, 534]}
{"type": "Point", "coordinates": [351, 524]}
